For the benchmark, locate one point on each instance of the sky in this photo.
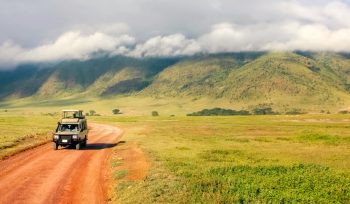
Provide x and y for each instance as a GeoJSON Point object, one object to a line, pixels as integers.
{"type": "Point", "coordinates": [54, 30]}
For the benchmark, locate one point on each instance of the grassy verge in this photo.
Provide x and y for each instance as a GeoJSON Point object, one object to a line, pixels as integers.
{"type": "Point", "coordinates": [18, 133]}
{"type": "Point", "coordinates": [259, 159]}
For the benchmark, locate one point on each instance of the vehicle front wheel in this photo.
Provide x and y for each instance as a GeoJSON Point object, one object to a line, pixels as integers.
{"type": "Point", "coordinates": [55, 146]}
{"type": "Point", "coordinates": [84, 142]}
{"type": "Point", "coordinates": [78, 146]}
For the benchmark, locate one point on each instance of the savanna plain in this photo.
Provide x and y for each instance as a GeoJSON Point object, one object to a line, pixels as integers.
{"type": "Point", "coordinates": [214, 159]}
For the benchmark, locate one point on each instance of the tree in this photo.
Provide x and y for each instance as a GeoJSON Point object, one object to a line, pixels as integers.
{"type": "Point", "coordinates": [115, 111]}
{"type": "Point", "coordinates": [92, 112]}
{"type": "Point", "coordinates": [155, 113]}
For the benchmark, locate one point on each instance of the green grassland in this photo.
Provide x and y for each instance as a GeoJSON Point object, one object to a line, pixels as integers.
{"type": "Point", "coordinates": [234, 159]}
{"type": "Point", "coordinates": [129, 105]}
{"type": "Point", "coordinates": [239, 159]}
{"type": "Point", "coordinates": [20, 132]}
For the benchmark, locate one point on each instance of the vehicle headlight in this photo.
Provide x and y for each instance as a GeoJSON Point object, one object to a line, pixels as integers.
{"type": "Point", "coordinates": [56, 137]}
{"type": "Point", "coordinates": [75, 137]}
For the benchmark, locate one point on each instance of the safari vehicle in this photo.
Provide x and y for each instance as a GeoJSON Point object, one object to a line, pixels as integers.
{"type": "Point", "coordinates": [71, 130]}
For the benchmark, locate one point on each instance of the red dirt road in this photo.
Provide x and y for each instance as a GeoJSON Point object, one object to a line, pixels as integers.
{"type": "Point", "coordinates": [42, 175]}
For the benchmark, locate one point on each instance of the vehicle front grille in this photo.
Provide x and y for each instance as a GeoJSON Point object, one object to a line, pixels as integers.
{"type": "Point", "coordinates": [66, 137]}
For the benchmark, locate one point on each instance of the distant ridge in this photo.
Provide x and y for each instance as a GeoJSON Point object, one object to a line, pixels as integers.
{"type": "Point", "coordinates": [283, 79]}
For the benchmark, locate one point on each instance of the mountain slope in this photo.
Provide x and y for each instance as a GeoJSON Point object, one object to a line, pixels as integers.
{"type": "Point", "coordinates": [75, 77]}
{"type": "Point", "coordinates": [199, 76]}
{"type": "Point", "coordinates": [284, 80]}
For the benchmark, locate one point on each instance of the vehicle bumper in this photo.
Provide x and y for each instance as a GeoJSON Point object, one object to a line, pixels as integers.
{"type": "Point", "coordinates": [66, 140]}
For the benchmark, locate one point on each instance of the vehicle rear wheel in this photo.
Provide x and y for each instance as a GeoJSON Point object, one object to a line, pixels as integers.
{"type": "Point", "coordinates": [55, 146]}
{"type": "Point", "coordinates": [78, 146]}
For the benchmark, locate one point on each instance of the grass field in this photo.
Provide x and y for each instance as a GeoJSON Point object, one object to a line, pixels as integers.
{"type": "Point", "coordinates": [20, 132]}
{"type": "Point", "coordinates": [259, 159]}
{"type": "Point", "coordinates": [129, 106]}
{"type": "Point", "coordinates": [251, 159]}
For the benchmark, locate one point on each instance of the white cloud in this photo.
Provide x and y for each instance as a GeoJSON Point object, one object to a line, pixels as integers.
{"type": "Point", "coordinates": [172, 45]}
{"type": "Point", "coordinates": [337, 13]}
{"type": "Point", "coordinates": [315, 37]}
{"type": "Point", "coordinates": [8, 53]}
{"type": "Point", "coordinates": [216, 26]}
{"type": "Point", "coordinates": [223, 37]}
{"type": "Point", "coordinates": [74, 45]}
{"type": "Point", "coordinates": [70, 45]}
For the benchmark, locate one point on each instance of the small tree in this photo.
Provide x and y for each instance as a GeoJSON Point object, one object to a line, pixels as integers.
{"type": "Point", "coordinates": [92, 112]}
{"type": "Point", "coordinates": [155, 113]}
{"type": "Point", "coordinates": [115, 111]}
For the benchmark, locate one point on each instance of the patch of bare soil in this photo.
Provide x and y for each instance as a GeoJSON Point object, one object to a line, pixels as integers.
{"type": "Point", "coordinates": [132, 160]}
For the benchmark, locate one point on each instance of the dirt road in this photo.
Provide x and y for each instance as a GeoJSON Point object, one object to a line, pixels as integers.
{"type": "Point", "coordinates": [43, 175]}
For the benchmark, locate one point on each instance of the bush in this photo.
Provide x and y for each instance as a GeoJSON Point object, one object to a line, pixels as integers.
{"type": "Point", "coordinates": [116, 111]}
{"type": "Point", "coordinates": [92, 112]}
{"type": "Point", "coordinates": [344, 112]}
{"type": "Point", "coordinates": [218, 112]}
{"type": "Point", "coordinates": [155, 113]}
{"type": "Point", "coordinates": [264, 109]}
{"type": "Point", "coordinates": [295, 112]}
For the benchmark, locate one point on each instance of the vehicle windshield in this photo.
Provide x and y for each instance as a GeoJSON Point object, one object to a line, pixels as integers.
{"type": "Point", "coordinates": [68, 127]}
{"type": "Point", "coordinates": [71, 114]}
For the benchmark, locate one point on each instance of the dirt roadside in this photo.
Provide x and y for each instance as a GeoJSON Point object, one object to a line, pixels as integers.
{"type": "Point", "coordinates": [42, 175]}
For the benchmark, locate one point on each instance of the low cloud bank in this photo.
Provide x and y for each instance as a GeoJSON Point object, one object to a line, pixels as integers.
{"type": "Point", "coordinates": [323, 28]}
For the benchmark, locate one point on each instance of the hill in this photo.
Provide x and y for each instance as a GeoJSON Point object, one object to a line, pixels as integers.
{"type": "Point", "coordinates": [283, 80]}
{"type": "Point", "coordinates": [99, 76]}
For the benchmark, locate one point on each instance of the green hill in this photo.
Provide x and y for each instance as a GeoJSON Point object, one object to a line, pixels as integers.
{"type": "Point", "coordinates": [92, 77]}
{"type": "Point", "coordinates": [283, 80]}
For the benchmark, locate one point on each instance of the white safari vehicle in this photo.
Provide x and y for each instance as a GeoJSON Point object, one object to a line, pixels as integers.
{"type": "Point", "coordinates": [71, 130]}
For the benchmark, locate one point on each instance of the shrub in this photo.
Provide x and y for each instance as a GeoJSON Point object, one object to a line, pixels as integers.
{"type": "Point", "coordinates": [295, 112]}
{"type": "Point", "coordinates": [218, 112]}
{"type": "Point", "coordinates": [344, 112]}
{"type": "Point", "coordinates": [116, 111]}
{"type": "Point", "coordinates": [264, 109]}
{"type": "Point", "coordinates": [92, 112]}
{"type": "Point", "coordinates": [155, 113]}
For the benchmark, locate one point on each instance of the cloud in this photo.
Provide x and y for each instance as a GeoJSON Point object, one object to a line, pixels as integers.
{"type": "Point", "coordinates": [142, 28]}
{"type": "Point", "coordinates": [70, 45]}
{"type": "Point", "coordinates": [224, 37]}
{"type": "Point", "coordinates": [8, 53]}
{"type": "Point", "coordinates": [172, 45]}
{"type": "Point", "coordinates": [315, 37]}
{"type": "Point", "coordinates": [73, 45]}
